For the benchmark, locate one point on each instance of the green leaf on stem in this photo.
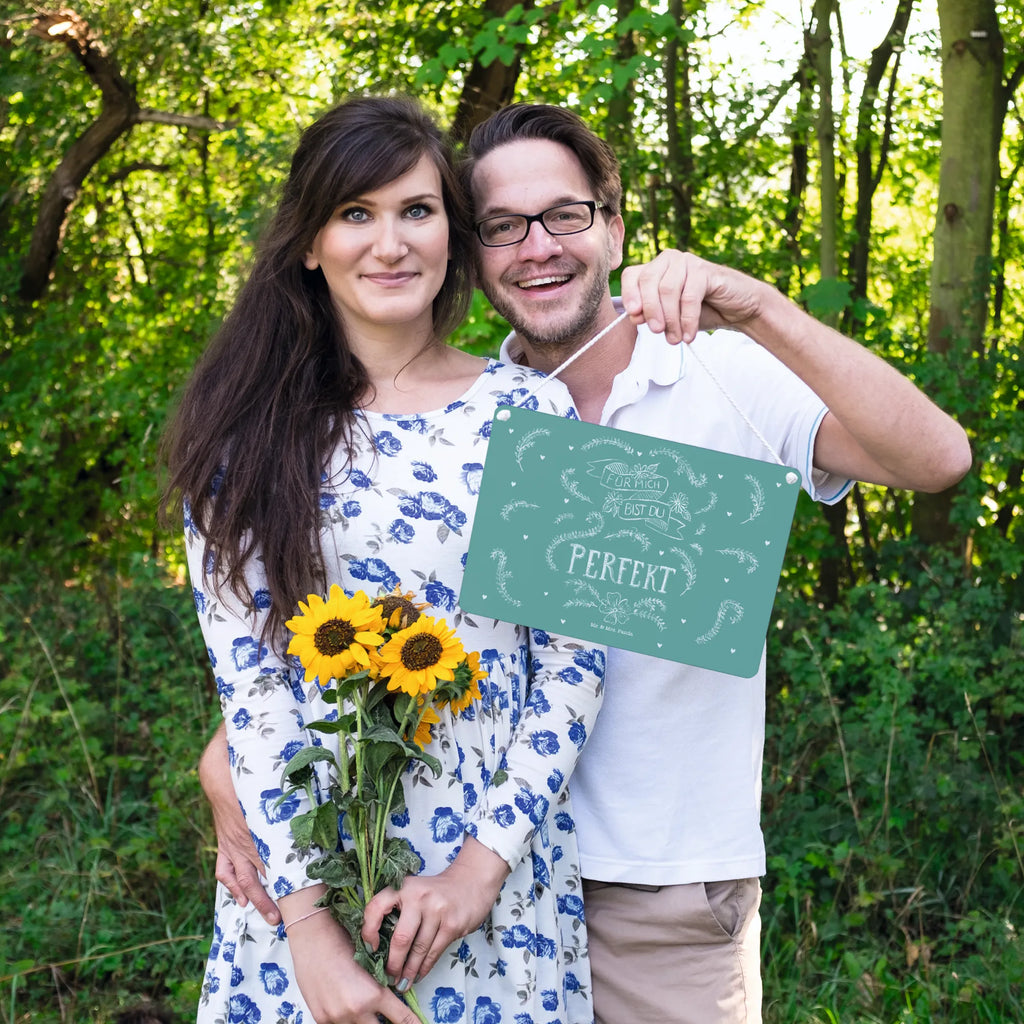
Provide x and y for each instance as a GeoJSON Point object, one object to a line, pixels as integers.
{"type": "Point", "coordinates": [297, 772]}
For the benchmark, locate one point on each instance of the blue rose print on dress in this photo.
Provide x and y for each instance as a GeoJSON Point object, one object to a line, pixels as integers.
{"type": "Point", "coordinates": [549, 999]}
{"type": "Point", "coordinates": [448, 1005]}
{"type": "Point", "coordinates": [290, 749]}
{"type": "Point", "coordinates": [191, 531]}
{"type": "Point", "coordinates": [424, 472]}
{"type": "Point", "coordinates": [357, 478]}
{"type": "Point", "coordinates": [282, 887]}
{"type": "Point", "coordinates": [455, 518]}
{"type": "Point", "coordinates": [472, 473]}
{"type": "Point", "coordinates": [274, 978]}
{"type": "Point", "coordinates": [541, 875]}
{"type": "Point", "coordinates": [247, 653]}
{"type": "Point", "coordinates": [573, 676]}
{"type": "Point", "coordinates": [242, 1010]}
{"type": "Point", "coordinates": [538, 702]}
{"type": "Point", "coordinates": [261, 847]}
{"type": "Point", "coordinates": [578, 734]}
{"type": "Point", "coordinates": [555, 781]}
{"type": "Point", "coordinates": [218, 938]}
{"type": "Point", "coordinates": [571, 905]}
{"type": "Point", "coordinates": [533, 805]}
{"type": "Point", "coordinates": [401, 531]}
{"type": "Point", "coordinates": [414, 424]}
{"type": "Point", "coordinates": [261, 599]}
{"type": "Point", "coordinates": [241, 718]}
{"type": "Point", "coordinates": [327, 501]}
{"type": "Point", "coordinates": [545, 947]}
{"type": "Point", "coordinates": [446, 825]}
{"type": "Point", "coordinates": [387, 444]}
{"type": "Point", "coordinates": [373, 570]}
{"type": "Point", "coordinates": [351, 509]}
{"type": "Point", "coordinates": [237, 977]}
{"type": "Point", "coordinates": [274, 809]}
{"type": "Point", "coordinates": [199, 598]}
{"type": "Point", "coordinates": [486, 1011]}
{"type": "Point", "coordinates": [440, 596]}
{"type": "Point", "coordinates": [590, 660]}
{"type": "Point", "coordinates": [564, 822]}
{"type": "Point", "coordinates": [504, 816]}
{"type": "Point", "coordinates": [518, 937]}
{"type": "Point", "coordinates": [545, 742]}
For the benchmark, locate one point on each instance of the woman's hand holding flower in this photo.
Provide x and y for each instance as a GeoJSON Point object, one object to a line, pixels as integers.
{"type": "Point", "coordinates": [435, 910]}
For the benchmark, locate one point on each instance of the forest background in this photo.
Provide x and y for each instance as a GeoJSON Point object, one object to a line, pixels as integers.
{"type": "Point", "coordinates": [865, 157]}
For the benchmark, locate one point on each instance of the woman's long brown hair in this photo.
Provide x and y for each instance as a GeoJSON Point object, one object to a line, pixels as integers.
{"type": "Point", "coordinates": [274, 394]}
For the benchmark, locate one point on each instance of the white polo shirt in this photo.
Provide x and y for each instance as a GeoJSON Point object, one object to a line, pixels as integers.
{"type": "Point", "coordinates": [668, 788]}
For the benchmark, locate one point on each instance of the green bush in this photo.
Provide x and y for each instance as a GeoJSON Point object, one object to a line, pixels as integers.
{"type": "Point", "coordinates": [894, 814]}
{"type": "Point", "coordinates": [106, 886]}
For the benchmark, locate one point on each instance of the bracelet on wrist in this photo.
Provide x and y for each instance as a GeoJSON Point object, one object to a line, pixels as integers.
{"type": "Point", "coordinates": [305, 917]}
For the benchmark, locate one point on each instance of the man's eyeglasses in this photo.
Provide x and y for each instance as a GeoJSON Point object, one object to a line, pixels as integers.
{"type": "Point", "coordinates": [565, 219]}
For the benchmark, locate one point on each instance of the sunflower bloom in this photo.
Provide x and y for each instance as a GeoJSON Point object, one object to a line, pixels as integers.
{"type": "Point", "coordinates": [332, 636]}
{"type": "Point", "coordinates": [472, 693]}
{"type": "Point", "coordinates": [417, 657]}
{"type": "Point", "coordinates": [399, 608]}
{"type": "Point", "coordinates": [423, 734]}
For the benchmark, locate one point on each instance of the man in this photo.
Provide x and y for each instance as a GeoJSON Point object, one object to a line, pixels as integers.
{"type": "Point", "coordinates": [667, 791]}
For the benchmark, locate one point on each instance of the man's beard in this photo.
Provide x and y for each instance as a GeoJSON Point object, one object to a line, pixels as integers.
{"type": "Point", "coordinates": [569, 334]}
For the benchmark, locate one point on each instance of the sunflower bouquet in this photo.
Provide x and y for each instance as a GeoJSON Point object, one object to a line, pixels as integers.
{"type": "Point", "coordinates": [390, 669]}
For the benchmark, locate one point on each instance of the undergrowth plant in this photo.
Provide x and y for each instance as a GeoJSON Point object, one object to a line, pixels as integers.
{"type": "Point", "coordinates": [105, 866]}
{"type": "Point", "coordinates": [894, 812]}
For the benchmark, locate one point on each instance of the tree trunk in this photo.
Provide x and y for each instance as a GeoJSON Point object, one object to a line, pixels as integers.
{"type": "Point", "coordinates": [819, 53]}
{"type": "Point", "coordinates": [117, 115]}
{"type": "Point", "coordinates": [972, 112]}
{"type": "Point", "coordinates": [869, 172]}
{"type": "Point", "coordinates": [487, 89]}
{"type": "Point", "coordinates": [619, 131]}
{"type": "Point", "coordinates": [679, 134]}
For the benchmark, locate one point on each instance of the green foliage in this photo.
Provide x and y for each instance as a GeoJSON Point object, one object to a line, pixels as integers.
{"type": "Point", "coordinates": [892, 770]}
{"type": "Point", "coordinates": [103, 836]}
{"type": "Point", "coordinates": [893, 804]}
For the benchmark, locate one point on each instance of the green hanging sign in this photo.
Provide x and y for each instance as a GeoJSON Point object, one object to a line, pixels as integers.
{"type": "Point", "coordinates": [629, 540]}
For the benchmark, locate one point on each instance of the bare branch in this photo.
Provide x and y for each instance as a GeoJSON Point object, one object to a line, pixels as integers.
{"type": "Point", "coordinates": [206, 124]}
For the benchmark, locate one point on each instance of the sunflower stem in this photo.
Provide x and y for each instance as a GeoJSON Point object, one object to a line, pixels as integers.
{"type": "Point", "coordinates": [359, 833]}
{"type": "Point", "coordinates": [414, 1004]}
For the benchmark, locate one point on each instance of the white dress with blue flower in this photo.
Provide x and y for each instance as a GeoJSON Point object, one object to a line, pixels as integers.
{"type": "Point", "coordinates": [401, 515]}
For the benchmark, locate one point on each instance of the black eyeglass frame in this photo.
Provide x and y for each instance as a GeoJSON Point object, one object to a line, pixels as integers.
{"type": "Point", "coordinates": [530, 218]}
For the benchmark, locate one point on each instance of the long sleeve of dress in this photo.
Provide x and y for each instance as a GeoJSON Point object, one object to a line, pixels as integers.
{"type": "Point", "coordinates": [565, 693]}
{"type": "Point", "coordinates": [263, 704]}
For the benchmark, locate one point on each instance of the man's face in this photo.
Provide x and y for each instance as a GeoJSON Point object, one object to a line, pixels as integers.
{"type": "Point", "coordinates": [552, 289]}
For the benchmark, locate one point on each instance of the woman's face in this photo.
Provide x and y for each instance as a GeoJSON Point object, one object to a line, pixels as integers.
{"type": "Point", "coordinates": [384, 254]}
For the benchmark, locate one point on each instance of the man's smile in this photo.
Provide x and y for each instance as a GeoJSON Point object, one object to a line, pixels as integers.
{"type": "Point", "coordinates": [538, 282]}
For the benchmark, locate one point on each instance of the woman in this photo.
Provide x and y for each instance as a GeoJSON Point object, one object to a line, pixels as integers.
{"type": "Point", "coordinates": [329, 435]}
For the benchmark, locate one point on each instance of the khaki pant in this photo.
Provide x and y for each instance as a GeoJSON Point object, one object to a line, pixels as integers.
{"type": "Point", "coordinates": [675, 954]}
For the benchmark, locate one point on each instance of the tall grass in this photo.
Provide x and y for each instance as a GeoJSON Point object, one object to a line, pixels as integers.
{"type": "Point", "coordinates": [105, 866]}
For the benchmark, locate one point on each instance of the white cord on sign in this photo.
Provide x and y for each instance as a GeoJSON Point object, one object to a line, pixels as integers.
{"type": "Point", "coordinates": [692, 351]}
